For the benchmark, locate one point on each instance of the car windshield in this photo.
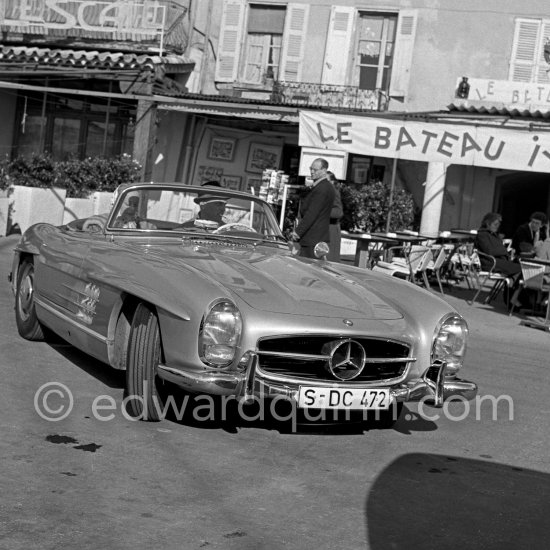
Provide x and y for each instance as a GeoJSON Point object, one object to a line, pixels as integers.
{"type": "Point", "coordinates": [180, 209]}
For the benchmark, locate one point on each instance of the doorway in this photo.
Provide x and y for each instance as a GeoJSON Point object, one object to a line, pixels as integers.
{"type": "Point", "coordinates": [518, 195]}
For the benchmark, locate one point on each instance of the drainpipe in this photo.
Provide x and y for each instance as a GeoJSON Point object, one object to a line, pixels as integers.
{"type": "Point", "coordinates": [192, 18]}
{"type": "Point", "coordinates": [206, 53]}
{"type": "Point", "coordinates": [43, 118]}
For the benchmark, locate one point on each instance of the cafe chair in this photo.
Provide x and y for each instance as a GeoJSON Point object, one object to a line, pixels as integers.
{"type": "Point", "coordinates": [496, 281]}
{"type": "Point", "coordinates": [440, 255]}
{"type": "Point", "coordinates": [533, 278]}
{"type": "Point", "coordinates": [463, 262]}
{"type": "Point", "coordinates": [414, 263]}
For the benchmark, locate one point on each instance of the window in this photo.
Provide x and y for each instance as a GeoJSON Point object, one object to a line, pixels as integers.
{"type": "Point", "coordinates": [370, 50]}
{"type": "Point", "coordinates": [375, 49]}
{"type": "Point", "coordinates": [263, 43]}
{"type": "Point", "coordinates": [72, 127]}
{"type": "Point", "coordinates": [528, 63]}
{"type": "Point", "coordinates": [260, 42]}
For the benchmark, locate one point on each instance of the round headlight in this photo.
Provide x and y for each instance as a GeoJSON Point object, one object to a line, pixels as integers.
{"type": "Point", "coordinates": [220, 334]}
{"type": "Point", "coordinates": [449, 342]}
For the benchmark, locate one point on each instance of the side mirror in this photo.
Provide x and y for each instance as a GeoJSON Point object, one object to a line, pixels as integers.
{"type": "Point", "coordinates": [321, 250]}
{"type": "Point", "coordinates": [294, 248]}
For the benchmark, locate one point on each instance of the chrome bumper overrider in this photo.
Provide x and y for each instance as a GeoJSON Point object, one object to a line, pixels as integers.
{"type": "Point", "coordinates": [432, 386]}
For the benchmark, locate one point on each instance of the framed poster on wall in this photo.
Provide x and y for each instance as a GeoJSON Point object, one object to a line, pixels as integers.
{"type": "Point", "coordinates": [262, 156]}
{"type": "Point", "coordinates": [231, 182]}
{"type": "Point", "coordinates": [208, 173]}
{"type": "Point", "coordinates": [221, 149]}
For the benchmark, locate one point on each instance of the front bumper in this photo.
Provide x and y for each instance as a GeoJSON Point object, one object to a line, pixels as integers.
{"type": "Point", "coordinates": [432, 387]}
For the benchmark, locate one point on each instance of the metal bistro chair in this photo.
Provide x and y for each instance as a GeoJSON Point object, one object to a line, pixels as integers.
{"type": "Point", "coordinates": [533, 278]}
{"type": "Point", "coordinates": [463, 261]}
{"type": "Point", "coordinates": [440, 254]}
{"type": "Point", "coordinates": [414, 262]}
{"type": "Point", "coordinates": [497, 281]}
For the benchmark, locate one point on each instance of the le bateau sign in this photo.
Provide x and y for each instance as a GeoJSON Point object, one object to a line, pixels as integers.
{"type": "Point", "coordinates": [430, 142]}
{"type": "Point", "coordinates": [521, 95]}
{"type": "Point", "coordinates": [145, 17]}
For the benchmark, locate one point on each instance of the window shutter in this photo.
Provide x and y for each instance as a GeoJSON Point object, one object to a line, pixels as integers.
{"type": "Point", "coordinates": [229, 44]}
{"type": "Point", "coordinates": [293, 42]}
{"type": "Point", "coordinates": [543, 66]}
{"type": "Point", "coordinates": [338, 48]}
{"type": "Point", "coordinates": [524, 50]}
{"type": "Point", "coordinates": [402, 59]}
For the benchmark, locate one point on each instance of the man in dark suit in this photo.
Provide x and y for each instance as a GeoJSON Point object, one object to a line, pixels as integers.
{"type": "Point", "coordinates": [529, 234]}
{"type": "Point", "coordinates": [315, 209]}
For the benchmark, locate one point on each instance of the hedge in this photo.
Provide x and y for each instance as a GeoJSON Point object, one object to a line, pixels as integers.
{"type": "Point", "coordinates": [79, 177]}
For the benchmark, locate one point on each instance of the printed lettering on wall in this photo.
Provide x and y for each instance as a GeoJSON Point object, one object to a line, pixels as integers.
{"type": "Point", "coordinates": [145, 17]}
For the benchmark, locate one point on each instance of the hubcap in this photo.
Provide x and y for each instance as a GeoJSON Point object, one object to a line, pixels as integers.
{"type": "Point", "coordinates": [26, 296]}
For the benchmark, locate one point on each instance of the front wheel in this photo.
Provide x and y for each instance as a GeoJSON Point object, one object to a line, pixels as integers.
{"type": "Point", "coordinates": [28, 325]}
{"type": "Point", "coordinates": [143, 398]}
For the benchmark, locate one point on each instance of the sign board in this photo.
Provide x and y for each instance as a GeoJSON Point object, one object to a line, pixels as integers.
{"type": "Point", "coordinates": [337, 161]}
{"type": "Point", "coordinates": [348, 247]}
{"type": "Point", "coordinates": [520, 95]}
{"type": "Point", "coordinates": [468, 144]}
{"type": "Point", "coordinates": [145, 18]}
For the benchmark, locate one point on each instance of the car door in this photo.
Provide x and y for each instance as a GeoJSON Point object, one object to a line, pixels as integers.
{"type": "Point", "coordinates": [58, 270]}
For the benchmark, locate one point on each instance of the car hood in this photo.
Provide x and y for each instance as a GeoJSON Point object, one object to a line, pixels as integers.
{"type": "Point", "coordinates": [275, 281]}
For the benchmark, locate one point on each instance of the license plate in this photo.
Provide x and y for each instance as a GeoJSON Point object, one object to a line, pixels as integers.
{"type": "Point", "coordinates": [310, 397]}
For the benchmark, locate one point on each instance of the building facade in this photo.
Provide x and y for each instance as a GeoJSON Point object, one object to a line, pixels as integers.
{"type": "Point", "coordinates": [222, 95]}
{"type": "Point", "coordinates": [401, 60]}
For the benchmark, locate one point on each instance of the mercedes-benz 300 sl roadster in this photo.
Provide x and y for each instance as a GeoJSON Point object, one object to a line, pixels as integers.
{"type": "Point", "coordinates": [197, 287]}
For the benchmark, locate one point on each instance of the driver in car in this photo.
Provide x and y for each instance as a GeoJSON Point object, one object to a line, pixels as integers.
{"type": "Point", "coordinates": [212, 208]}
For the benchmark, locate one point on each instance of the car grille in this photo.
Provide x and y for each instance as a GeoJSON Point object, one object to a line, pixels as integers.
{"type": "Point", "coordinates": [302, 358]}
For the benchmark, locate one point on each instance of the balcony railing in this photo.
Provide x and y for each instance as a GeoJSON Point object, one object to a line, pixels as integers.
{"type": "Point", "coordinates": [308, 94]}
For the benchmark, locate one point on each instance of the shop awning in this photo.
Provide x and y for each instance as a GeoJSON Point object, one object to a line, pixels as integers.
{"type": "Point", "coordinates": [256, 111]}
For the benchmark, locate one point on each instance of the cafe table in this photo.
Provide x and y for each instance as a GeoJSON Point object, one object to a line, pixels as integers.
{"type": "Point", "coordinates": [456, 236]}
{"type": "Point", "coordinates": [401, 239]}
{"type": "Point", "coordinates": [542, 325]}
{"type": "Point", "coordinates": [470, 232]}
{"type": "Point", "coordinates": [400, 236]}
{"type": "Point", "coordinates": [365, 243]}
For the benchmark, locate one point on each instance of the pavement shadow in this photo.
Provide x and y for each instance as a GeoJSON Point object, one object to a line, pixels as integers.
{"type": "Point", "coordinates": [433, 501]}
{"type": "Point", "coordinates": [112, 378]}
{"type": "Point", "coordinates": [207, 412]}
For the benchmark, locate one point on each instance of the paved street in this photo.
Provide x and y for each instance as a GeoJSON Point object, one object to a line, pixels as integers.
{"type": "Point", "coordinates": [477, 478]}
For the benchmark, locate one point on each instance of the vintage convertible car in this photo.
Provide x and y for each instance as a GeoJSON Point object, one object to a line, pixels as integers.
{"type": "Point", "coordinates": [197, 287]}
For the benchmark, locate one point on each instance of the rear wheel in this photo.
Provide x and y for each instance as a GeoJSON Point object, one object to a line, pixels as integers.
{"type": "Point", "coordinates": [25, 312]}
{"type": "Point", "coordinates": [143, 398]}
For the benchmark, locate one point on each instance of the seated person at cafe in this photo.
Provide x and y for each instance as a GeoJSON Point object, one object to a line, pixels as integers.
{"type": "Point", "coordinates": [490, 242]}
{"type": "Point", "coordinates": [542, 247]}
{"type": "Point", "coordinates": [529, 234]}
